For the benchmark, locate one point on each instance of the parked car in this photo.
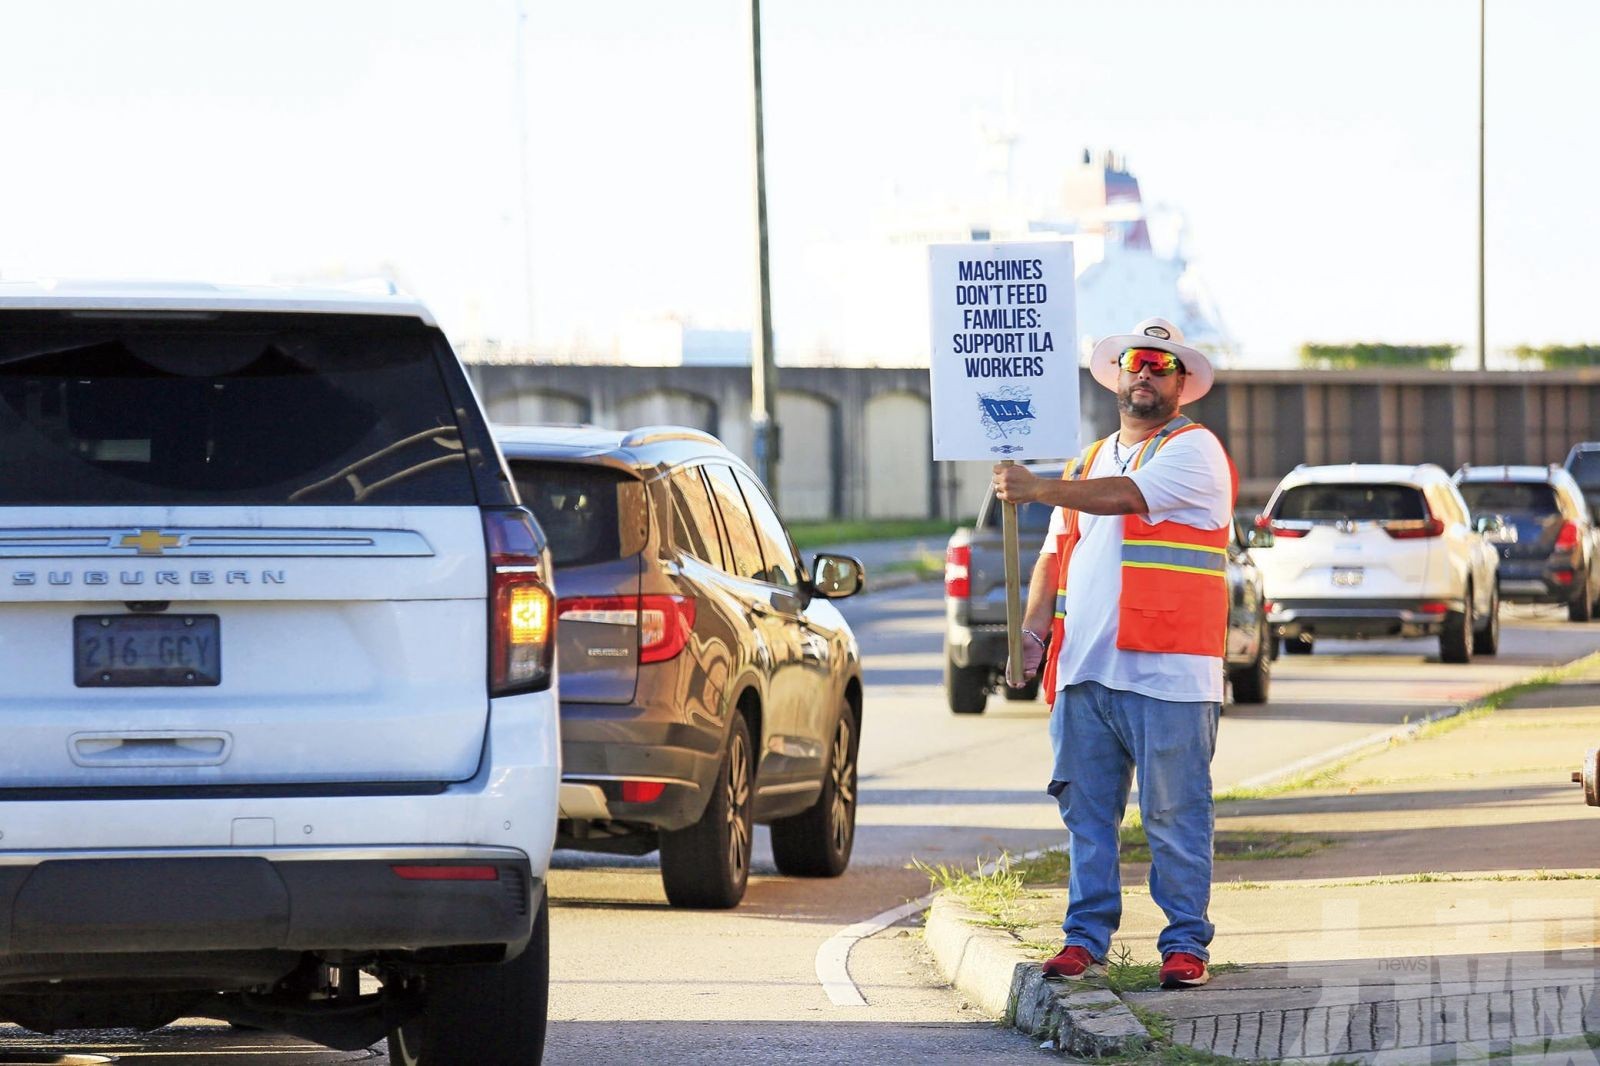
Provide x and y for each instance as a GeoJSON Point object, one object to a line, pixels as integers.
{"type": "Point", "coordinates": [1370, 550]}
{"type": "Point", "coordinates": [1583, 463]}
{"type": "Point", "coordinates": [1547, 548]}
{"type": "Point", "coordinates": [280, 697]}
{"type": "Point", "coordinates": [708, 681]}
{"type": "Point", "coordinates": [975, 609]}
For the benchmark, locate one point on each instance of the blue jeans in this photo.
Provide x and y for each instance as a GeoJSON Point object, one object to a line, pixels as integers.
{"type": "Point", "coordinates": [1101, 736]}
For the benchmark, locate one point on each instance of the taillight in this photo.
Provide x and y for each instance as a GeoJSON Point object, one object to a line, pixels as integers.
{"type": "Point", "coordinates": [1281, 530]}
{"type": "Point", "coordinates": [642, 791]}
{"type": "Point", "coordinates": [1415, 528]}
{"type": "Point", "coordinates": [1567, 539]}
{"type": "Point", "coordinates": [1434, 608]}
{"type": "Point", "coordinates": [958, 571]}
{"type": "Point", "coordinates": [522, 622]}
{"type": "Point", "coordinates": [664, 622]}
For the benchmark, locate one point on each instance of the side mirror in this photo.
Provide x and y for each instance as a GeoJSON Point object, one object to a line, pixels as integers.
{"type": "Point", "coordinates": [833, 577]}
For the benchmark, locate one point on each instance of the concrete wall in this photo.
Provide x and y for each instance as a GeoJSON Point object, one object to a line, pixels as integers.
{"type": "Point", "coordinates": [855, 441]}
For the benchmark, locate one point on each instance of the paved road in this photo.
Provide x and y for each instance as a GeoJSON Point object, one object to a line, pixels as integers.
{"type": "Point", "coordinates": [633, 974]}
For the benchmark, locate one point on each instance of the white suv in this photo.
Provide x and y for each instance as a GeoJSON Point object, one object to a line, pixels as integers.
{"type": "Point", "coordinates": [279, 687]}
{"type": "Point", "coordinates": [1377, 551]}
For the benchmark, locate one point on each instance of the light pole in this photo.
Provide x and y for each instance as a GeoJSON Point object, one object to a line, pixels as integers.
{"type": "Point", "coordinates": [522, 167]}
{"type": "Point", "coordinates": [763, 368]}
{"type": "Point", "coordinates": [1483, 347]}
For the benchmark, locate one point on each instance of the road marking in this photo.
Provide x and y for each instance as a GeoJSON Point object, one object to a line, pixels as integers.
{"type": "Point", "coordinates": [833, 957]}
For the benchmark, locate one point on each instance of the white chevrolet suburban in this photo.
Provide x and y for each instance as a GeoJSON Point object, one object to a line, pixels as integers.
{"type": "Point", "coordinates": [279, 699]}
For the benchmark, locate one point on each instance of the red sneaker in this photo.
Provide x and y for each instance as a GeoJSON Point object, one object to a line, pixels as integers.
{"type": "Point", "coordinates": [1183, 970]}
{"type": "Point", "coordinates": [1072, 963]}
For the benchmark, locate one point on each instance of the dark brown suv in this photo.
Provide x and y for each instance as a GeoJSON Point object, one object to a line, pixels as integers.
{"type": "Point", "coordinates": [706, 681]}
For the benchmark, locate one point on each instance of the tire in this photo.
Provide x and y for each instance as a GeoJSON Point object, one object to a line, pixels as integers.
{"type": "Point", "coordinates": [481, 1015]}
{"type": "Point", "coordinates": [1297, 646]}
{"type": "Point", "coordinates": [1455, 640]}
{"type": "Point", "coordinates": [817, 841]}
{"type": "Point", "coordinates": [1486, 641]}
{"type": "Point", "coordinates": [1582, 608]}
{"type": "Point", "coordinates": [966, 687]}
{"type": "Point", "coordinates": [1251, 683]}
{"type": "Point", "coordinates": [1030, 691]}
{"type": "Point", "coordinates": [707, 865]}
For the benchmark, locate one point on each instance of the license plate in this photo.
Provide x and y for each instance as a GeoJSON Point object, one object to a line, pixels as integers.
{"type": "Point", "coordinates": [141, 650]}
{"type": "Point", "coordinates": [1347, 576]}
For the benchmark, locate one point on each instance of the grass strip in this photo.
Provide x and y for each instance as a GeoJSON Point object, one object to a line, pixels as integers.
{"type": "Point", "coordinates": [924, 565]}
{"type": "Point", "coordinates": [824, 534]}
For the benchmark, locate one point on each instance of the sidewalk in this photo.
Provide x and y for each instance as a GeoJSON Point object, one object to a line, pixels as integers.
{"type": "Point", "coordinates": [1436, 901]}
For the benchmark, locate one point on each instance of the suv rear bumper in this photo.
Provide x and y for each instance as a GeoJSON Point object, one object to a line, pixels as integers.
{"type": "Point", "coordinates": [601, 748]}
{"type": "Point", "coordinates": [1535, 581]}
{"type": "Point", "coordinates": [1359, 618]}
{"type": "Point", "coordinates": [288, 899]}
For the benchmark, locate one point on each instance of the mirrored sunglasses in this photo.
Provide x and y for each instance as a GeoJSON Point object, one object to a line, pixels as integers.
{"type": "Point", "coordinates": [1160, 363]}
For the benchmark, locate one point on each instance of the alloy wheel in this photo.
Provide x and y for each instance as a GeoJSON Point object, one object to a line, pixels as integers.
{"type": "Point", "coordinates": [738, 807]}
{"type": "Point", "coordinates": [840, 816]}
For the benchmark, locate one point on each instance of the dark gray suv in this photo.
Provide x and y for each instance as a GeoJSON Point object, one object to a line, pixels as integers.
{"type": "Point", "coordinates": [1547, 539]}
{"type": "Point", "coordinates": [707, 683]}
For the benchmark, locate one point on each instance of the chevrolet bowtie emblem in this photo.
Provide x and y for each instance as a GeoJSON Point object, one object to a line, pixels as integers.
{"type": "Point", "coordinates": [150, 541]}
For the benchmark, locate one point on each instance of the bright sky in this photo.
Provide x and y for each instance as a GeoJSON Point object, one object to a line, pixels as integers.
{"type": "Point", "coordinates": [1323, 154]}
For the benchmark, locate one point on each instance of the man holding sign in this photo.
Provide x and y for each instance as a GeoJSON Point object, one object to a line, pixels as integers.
{"type": "Point", "coordinates": [1134, 573]}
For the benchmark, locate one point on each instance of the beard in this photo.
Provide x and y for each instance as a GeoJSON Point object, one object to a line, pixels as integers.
{"type": "Point", "coordinates": [1148, 407]}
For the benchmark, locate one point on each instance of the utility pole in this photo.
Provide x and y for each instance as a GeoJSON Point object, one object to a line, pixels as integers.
{"type": "Point", "coordinates": [763, 368]}
{"type": "Point", "coordinates": [1483, 344]}
{"type": "Point", "coordinates": [522, 167]}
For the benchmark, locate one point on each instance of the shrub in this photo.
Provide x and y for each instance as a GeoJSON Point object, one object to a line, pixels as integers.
{"type": "Point", "coordinates": [1361, 355]}
{"type": "Point", "coordinates": [1559, 356]}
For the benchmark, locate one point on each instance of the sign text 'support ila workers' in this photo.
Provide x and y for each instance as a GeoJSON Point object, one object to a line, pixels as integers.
{"type": "Point", "coordinates": [1003, 360]}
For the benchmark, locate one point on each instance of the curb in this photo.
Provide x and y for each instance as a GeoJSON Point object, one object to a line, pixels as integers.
{"type": "Point", "coordinates": [980, 961]}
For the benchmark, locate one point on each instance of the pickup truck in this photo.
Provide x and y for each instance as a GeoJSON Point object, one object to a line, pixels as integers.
{"type": "Point", "coordinates": [975, 609]}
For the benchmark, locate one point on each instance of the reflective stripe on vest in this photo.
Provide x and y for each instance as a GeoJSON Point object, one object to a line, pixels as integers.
{"type": "Point", "coordinates": [1170, 555]}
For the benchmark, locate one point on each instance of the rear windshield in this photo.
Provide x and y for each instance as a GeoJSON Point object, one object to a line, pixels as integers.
{"type": "Point", "coordinates": [577, 506]}
{"type": "Point", "coordinates": [1510, 497]}
{"type": "Point", "coordinates": [1586, 468]}
{"type": "Point", "coordinates": [1354, 502]}
{"type": "Point", "coordinates": [1032, 518]}
{"type": "Point", "coordinates": [225, 409]}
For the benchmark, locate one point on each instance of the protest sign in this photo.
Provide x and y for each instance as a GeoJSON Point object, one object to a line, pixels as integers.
{"type": "Point", "coordinates": [1004, 355]}
{"type": "Point", "coordinates": [1003, 366]}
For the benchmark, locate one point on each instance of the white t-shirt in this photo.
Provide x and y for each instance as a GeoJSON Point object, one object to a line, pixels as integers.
{"type": "Point", "coordinates": [1186, 481]}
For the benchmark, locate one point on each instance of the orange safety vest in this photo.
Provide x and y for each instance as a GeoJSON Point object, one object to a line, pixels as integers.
{"type": "Point", "coordinates": [1174, 576]}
